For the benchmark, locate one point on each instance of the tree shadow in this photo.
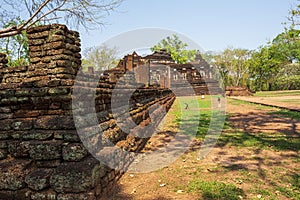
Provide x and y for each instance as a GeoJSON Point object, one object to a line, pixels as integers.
{"type": "Point", "coordinates": [262, 130]}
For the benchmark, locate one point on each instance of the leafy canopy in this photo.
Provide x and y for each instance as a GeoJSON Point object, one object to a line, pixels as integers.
{"type": "Point", "coordinates": [177, 49]}
{"type": "Point", "coordinates": [101, 57]}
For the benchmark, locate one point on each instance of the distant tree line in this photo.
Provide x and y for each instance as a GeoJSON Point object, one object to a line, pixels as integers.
{"type": "Point", "coordinates": [273, 66]}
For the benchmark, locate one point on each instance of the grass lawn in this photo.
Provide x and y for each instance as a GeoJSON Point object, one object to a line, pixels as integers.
{"type": "Point", "coordinates": [277, 93]}
{"type": "Point", "coordinates": [256, 156]}
{"type": "Point", "coordinates": [272, 180]}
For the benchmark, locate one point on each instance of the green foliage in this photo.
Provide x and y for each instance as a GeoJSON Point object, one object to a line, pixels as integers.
{"type": "Point", "coordinates": [233, 65]}
{"type": "Point", "coordinates": [287, 45]}
{"type": "Point", "coordinates": [16, 47]}
{"type": "Point", "coordinates": [265, 64]}
{"type": "Point", "coordinates": [176, 48]}
{"type": "Point", "coordinates": [294, 17]}
{"type": "Point", "coordinates": [101, 58]}
{"type": "Point", "coordinates": [215, 190]}
{"type": "Point", "coordinates": [276, 65]}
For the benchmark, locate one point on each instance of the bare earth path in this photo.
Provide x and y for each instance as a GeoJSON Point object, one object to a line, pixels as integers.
{"type": "Point", "coordinates": [261, 165]}
{"type": "Point", "coordinates": [291, 102]}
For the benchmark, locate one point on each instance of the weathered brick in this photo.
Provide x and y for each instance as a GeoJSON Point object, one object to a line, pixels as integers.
{"type": "Point", "coordinates": [38, 135]}
{"type": "Point", "coordinates": [3, 154]}
{"type": "Point", "coordinates": [3, 144]}
{"type": "Point", "coordinates": [85, 174]}
{"type": "Point", "coordinates": [44, 195]}
{"type": "Point", "coordinates": [55, 123]}
{"type": "Point", "coordinates": [39, 179]}
{"type": "Point", "coordinates": [18, 149]}
{"type": "Point", "coordinates": [48, 163]}
{"type": "Point", "coordinates": [58, 91]}
{"type": "Point", "coordinates": [83, 196]}
{"type": "Point", "coordinates": [22, 124]}
{"type": "Point", "coordinates": [45, 150]}
{"type": "Point", "coordinates": [74, 152]}
{"type": "Point", "coordinates": [23, 194]}
{"type": "Point", "coordinates": [13, 172]}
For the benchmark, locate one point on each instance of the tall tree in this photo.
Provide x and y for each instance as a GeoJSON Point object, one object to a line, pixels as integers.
{"type": "Point", "coordinates": [289, 77]}
{"type": "Point", "coordinates": [177, 49]}
{"type": "Point", "coordinates": [287, 46]}
{"type": "Point", "coordinates": [233, 65]}
{"type": "Point", "coordinates": [265, 65]}
{"type": "Point", "coordinates": [101, 58]}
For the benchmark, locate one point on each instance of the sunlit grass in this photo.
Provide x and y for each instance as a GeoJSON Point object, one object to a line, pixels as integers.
{"type": "Point", "coordinates": [215, 190]}
{"type": "Point", "coordinates": [287, 113]}
{"type": "Point", "coordinates": [238, 102]}
{"type": "Point", "coordinates": [207, 186]}
{"type": "Point", "coordinates": [277, 93]}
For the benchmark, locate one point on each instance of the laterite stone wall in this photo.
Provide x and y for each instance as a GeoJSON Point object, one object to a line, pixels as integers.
{"type": "Point", "coordinates": [41, 154]}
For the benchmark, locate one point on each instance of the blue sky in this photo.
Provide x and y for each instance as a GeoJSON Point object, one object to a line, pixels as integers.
{"type": "Point", "coordinates": [213, 24]}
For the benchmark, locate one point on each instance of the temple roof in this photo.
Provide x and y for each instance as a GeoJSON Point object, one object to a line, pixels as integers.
{"type": "Point", "coordinates": [161, 55]}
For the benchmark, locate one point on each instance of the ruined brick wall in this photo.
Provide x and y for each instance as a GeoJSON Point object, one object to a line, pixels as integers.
{"type": "Point", "coordinates": [238, 91]}
{"type": "Point", "coordinates": [41, 154]}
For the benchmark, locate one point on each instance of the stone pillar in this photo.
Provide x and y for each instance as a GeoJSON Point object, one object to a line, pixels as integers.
{"type": "Point", "coordinates": [54, 52]}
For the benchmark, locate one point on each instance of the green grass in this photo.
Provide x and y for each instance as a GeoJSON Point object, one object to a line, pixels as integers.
{"type": "Point", "coordinates": [211, 190]}
{"type": "Point", "coordinates": [286, 185]}
{"type": "Point", "coordinates": [287, 113]}
{"type": "Point", "coordinates": [195, 120]}
{"type": "Point", "coordinates": [292, 191]}
{"type": "Point", "coordinates": [241, 103]}
{"type": "Point", "coordinates": [296, 101]}
{"type": "Point", "coordinates": [275, 141]}
{"type": "Point", "coordinates": [277, 93]}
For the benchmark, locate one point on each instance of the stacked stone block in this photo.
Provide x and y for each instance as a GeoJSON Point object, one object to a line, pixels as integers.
{"type": "Point", "coordinates": [54, 52]}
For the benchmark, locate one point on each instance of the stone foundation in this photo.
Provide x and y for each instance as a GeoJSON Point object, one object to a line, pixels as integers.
{"type": "Point", "coordinates": [238, 91]}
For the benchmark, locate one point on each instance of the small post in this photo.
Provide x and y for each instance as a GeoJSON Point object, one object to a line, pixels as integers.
{"type": "Point", "coordinates": [149, 71]}
{"type": "Point", "coordinates": [202, 95]}
{"type": "Point", "coordinates": [219, 102]}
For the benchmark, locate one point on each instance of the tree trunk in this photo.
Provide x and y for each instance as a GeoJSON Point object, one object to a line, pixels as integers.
{"type": "Point", "coordinates": [260, 84]}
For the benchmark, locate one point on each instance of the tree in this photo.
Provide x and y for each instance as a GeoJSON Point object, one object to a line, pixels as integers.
{"type": "Point", "coordinates": [101, 58]}
{"type": "Point", "coordinates": [15, 47]}
{"type": "Point", "coordinates": [17, 15]}
{"type": "Point", "coordinates": [233, 65]}
{"type": "Point", "coordinates": [294, 17]}
{"type": "Point", "coordinates": [86, 13]}
{"type": "Point", "coordinates": [220, 61]}
{"type": "Point", "coordinates": [265, 65]}
{"type": "Point", "coordinates": [287, 46]}
{"type": "Point", "coordinates": [289, 77]}
{"type": "Point", "coordinates": [176, 48]}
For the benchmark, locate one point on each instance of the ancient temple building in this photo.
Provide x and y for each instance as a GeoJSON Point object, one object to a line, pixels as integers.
{"type": "Point", "coordinates": [159, 69]}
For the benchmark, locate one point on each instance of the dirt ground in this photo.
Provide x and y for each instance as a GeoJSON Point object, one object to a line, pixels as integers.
{"type": "Point", "coordinates": [257, 170]}
{"type": "Point", "coordinates": [292, 102]}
